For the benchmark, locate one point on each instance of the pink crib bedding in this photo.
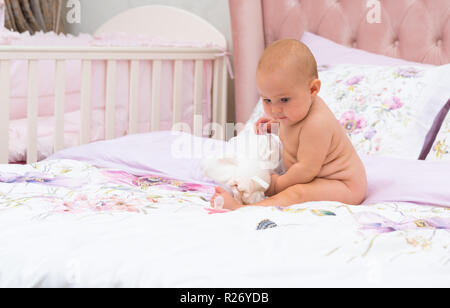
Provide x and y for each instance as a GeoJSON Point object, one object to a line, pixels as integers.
{"type": "Point", "coordinates": [19, 92]}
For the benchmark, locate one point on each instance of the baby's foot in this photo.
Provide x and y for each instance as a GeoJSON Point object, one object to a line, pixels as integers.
{"type": "Point", "coordinates": [228, 201]}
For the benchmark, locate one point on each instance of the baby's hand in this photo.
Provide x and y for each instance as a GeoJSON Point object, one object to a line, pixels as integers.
{"type": "Point", "coordinates": [264, 125]}
{"type": "Point", "coordinates": [272, 188]}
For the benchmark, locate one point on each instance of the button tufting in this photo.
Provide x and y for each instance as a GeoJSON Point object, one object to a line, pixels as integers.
{"type": "Point", "coordinates": [439, 43]}
{"type": "Point", "coordinates": [396, 42]}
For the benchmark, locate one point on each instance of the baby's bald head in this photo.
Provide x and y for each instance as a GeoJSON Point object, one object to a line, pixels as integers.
{"type": "Point", "coordinates": [289, 54]}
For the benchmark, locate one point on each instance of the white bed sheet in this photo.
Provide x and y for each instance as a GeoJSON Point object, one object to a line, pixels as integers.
{"type": "Point", "coordinates": [47, 241]}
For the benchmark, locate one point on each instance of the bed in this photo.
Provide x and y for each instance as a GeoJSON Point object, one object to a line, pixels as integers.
{"type": "Point", "coordinates": [134, 211]}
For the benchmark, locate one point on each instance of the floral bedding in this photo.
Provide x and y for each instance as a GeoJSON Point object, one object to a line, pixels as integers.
{"type": "Point", "coordinates": [441, 147]}
{"type": "Point", "coordinates": [385, 110]}
{"type": "Point", "coordinates": [66, 223]}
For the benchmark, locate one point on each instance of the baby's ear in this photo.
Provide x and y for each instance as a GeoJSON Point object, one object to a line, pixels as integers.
{"type": "Point", "coordinates": [315, 86]}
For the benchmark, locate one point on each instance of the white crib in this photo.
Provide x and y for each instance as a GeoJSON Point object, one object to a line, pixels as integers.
{"type": "Point", "coordinates": [177, 24]}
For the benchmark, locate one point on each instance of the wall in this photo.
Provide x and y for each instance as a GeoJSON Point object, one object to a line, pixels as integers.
{"type": "Point", "coordinates": [95, 12]}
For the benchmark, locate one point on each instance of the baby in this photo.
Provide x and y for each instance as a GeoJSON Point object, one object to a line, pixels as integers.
{"type": "Point", "coordinates": [320, 160]}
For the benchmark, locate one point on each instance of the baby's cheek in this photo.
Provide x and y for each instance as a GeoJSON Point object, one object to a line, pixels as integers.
{"type": "Point", "coordinates": [300, 113]}
{"type": "Point", "coordinates": [267, 110]}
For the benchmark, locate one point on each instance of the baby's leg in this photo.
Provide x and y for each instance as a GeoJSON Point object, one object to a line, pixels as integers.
{"type": "Point", "coordinates": [317, 190]}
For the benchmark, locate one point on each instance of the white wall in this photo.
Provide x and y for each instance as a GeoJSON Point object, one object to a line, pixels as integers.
{"type": "Point", "coordinates": [95, 12]}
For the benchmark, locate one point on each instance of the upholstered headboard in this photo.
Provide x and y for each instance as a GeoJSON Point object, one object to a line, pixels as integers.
{"type": "Point", "coordinates": [414, 30]}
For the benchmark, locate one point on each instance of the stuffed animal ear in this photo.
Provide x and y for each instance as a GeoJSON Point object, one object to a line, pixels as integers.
{"type": "Point", "coordinates": [248, 190]}
{"type": "Point", "coordinates": [260, 182]}
{"type": "Point", "coordinates": [237, 193]}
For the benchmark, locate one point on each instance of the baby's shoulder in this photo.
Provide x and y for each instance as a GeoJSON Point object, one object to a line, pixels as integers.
{"type": "Point", "coordinates": [320, 118]}
{"type": "Point", "coordinates": [319, 113]}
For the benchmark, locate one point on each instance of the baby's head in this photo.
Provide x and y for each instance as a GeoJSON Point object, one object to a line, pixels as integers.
{"type": "Point", "coordinates": [287, 80]}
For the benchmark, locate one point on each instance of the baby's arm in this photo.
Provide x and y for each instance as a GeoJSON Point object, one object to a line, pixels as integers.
{"type": "Point", "coordinates": [314, 143]}
{"type": "Point", "coordinates": [273, 181]}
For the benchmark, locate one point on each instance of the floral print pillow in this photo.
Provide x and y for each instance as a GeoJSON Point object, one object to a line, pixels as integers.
{"type": "Point", "coordinates": [385, 111]}
{"type": "Point", "coordinates": [441, 146]}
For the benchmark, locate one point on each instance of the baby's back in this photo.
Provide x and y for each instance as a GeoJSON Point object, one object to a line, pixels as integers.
{"type": "Point", "coordinates": [341, 162]}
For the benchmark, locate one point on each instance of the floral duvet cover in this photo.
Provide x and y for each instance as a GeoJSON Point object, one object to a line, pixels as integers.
{"type": "Point", "coordinates": [65, 223]}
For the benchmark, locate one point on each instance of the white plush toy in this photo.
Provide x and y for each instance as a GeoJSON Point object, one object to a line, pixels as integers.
{"type": "Point", "coordinates": [246, 166]}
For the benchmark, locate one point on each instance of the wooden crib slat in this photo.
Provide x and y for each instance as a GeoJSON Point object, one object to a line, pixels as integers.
{"type": "Point", "coordinates": [85, 109]}
{"type": "Point", "coordinates": [156, 95]}
{"type": "Point", "coordinates": [134, 97]}
{"type": "Point", "coordinates": [224, 94]}
{"type": "Point", "coordinates": [4, 110]}
{"type": "Point", "coordinates": [215, 98]}
{"type": "Point", "coordinates": [198, 98]}
{"type": "Point", "coordinates": [60, 89]}
{"type": "Point", "coordinates": [32, 111]}
{"type": "Point", "coordinates": [110, 99]}
{"type": "Point", "coordinates": [177, 91]}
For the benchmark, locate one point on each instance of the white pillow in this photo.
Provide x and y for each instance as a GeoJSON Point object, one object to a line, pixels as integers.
{"type": "Point", "coordinates": [386, 110]}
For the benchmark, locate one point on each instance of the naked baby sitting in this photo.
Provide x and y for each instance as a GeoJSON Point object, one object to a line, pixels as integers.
{"type": "Point", "coordinates": [320, 160]}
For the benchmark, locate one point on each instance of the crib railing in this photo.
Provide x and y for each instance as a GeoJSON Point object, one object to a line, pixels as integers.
{"type": "Point", "coordinates": [111, 55]}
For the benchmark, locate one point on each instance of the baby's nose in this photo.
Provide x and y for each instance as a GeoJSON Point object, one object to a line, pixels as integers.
{"type": "Point", "coordinates": [276, 109]}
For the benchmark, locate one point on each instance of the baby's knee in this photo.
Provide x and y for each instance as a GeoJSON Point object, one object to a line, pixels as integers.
{"type": "Point", "coordinates": [296, 192]}
{"type": "Point", "coordinates": [357, 193]}
{"type": "Point", "coordinates": [358, 197]}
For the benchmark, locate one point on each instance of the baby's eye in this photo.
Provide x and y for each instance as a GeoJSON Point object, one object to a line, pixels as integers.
{"type": "Point", "coordinates": [266, 100]}
{"type": "Point", "coordinates": [285, 100]}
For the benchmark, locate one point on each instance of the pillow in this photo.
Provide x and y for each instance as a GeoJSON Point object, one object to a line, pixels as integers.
{"type": "Point", "coordinates": [385, 110]}
{"type": "Point", "coordinates": [440, 150]}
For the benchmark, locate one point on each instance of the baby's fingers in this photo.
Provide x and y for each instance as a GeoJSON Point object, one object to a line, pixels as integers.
{"type": "Point", "coordinates": [266, 128]}
{"type": "Point", "coordinates": [259, 125]}
{"type": "Point", "coordinates": [259, 128]}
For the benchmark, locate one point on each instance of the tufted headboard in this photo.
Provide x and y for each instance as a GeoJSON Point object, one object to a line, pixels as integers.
{"type": "Point", "coordinates": [414, 30]}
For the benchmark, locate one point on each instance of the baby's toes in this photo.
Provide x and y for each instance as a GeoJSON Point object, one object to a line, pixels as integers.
{"type": "Point", "coordinates": [220, 190]}
{"type": "Point", "coordinates": [212, 199]}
